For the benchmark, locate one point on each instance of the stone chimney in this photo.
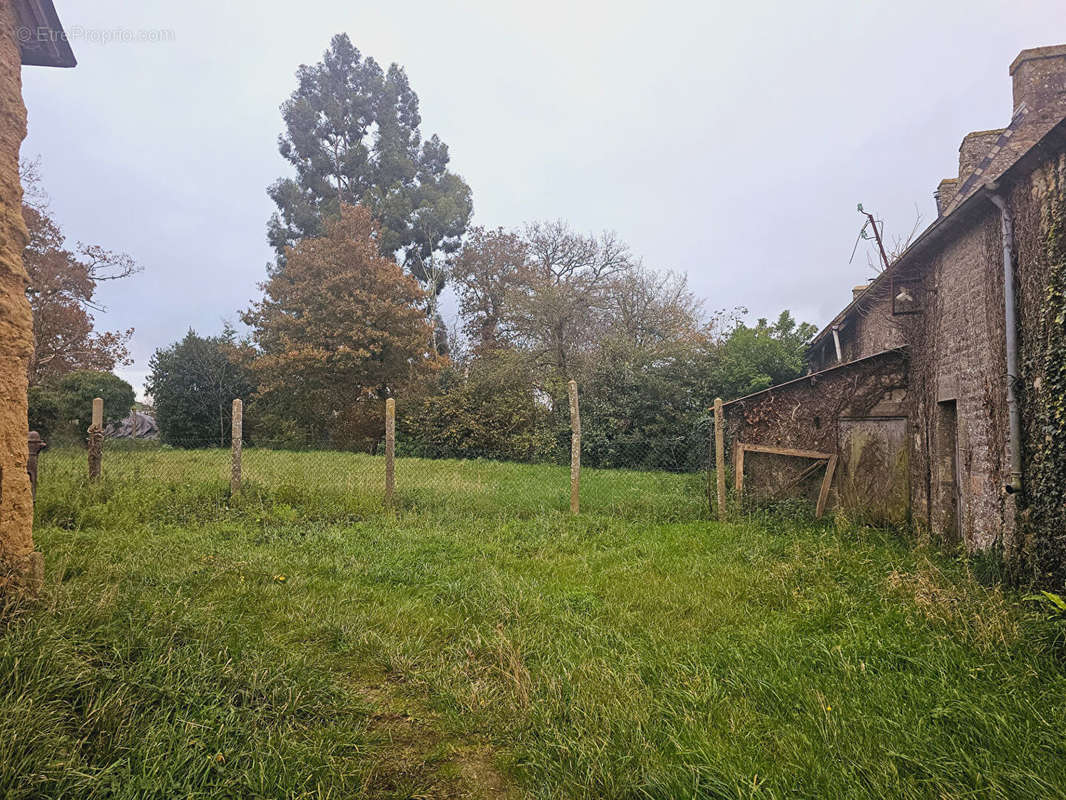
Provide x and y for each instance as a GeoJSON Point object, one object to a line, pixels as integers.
{"type": "Point", "coordinates": [1039, 78]}
{"type": "Point", "coordinates": [944, 194]}
{"type": "Point", "coordinates": [857, 290]}
{"type": "Point", "coordinates": [974, 148]}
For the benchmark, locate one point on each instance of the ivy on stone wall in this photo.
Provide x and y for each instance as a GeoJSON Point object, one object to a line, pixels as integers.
{"type": "Point", "coordinates": [1047, 484]}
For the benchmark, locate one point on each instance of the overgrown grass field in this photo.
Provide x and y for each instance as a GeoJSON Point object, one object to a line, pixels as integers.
{"type": "Point", "coordinates": [304, 641]}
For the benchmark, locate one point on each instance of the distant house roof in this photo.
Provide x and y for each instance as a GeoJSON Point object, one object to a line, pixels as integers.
{"type": "Point", "coordinates": [1002, 164]}
{"type": "Point", "coordinates": [138, 425]}
{"type": "Point", "coordinates": [40, 35]}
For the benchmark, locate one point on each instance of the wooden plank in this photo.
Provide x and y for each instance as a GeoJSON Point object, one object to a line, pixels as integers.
{"type": "Point", "coordinates": [827, 482]}
{"type": "Point", "coordinates": [96, 440]}
{"type": "Point", "coordinates": [739, 470]}
{"type": "Point", "coordinates": [236, 446]}
{"type": "Point", "coordinates": [807, 471]}
{"type": "Point", "coordinates": [785, 451]}
{"type": "Point", "coordinates": [575, 448]}
{"type": "Point", "coordinates": [390, 450]}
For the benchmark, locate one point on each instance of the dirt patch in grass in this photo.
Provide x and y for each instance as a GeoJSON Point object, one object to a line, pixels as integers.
{"type": "Point", "coordinates": [417, 759]}
{"type": "Point", "coordinates": [478, 772]}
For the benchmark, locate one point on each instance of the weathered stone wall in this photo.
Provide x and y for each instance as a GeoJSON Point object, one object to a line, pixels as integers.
{"type": "Point", "coordinates": [18, 562]}
{"type": "Point", "coordinates": [808, 414]}
{"type": "Point", "coordinates": [872, 330]}
{"type": "Point", "coordinates": [957, 350]}
{"type": "Point", "coordinates": [1039, 211]}
{"type": "Point", "coordinates": [960, 357]}
{"type": "Point", "coordinates": [974, 148]}
{"type": "Point", "coordinates": [804, 414]}
{"type": "Point", "coordinates": [957, 343]}
{"type": "Point", "coordinates": [1038, 79]}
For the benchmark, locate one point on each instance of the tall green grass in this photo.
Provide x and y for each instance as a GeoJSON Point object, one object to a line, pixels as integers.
{"type": "Point", "coordinates": [305, 641]}
{"type": "Point", "coordinates": [154, 484]}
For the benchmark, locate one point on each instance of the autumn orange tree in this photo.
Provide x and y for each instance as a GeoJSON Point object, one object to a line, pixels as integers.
{"type": "Point", "coordinates": [62, 289]}
{"type": "Point", "coordinates": [338, 331]}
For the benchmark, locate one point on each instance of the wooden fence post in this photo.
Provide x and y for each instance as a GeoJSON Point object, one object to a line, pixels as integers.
{"type": "Point", "coordinates": [96, 440]}
{"type": "Point", "coordinates": [390, 450]}
{"type": "Point", "coordinates": [575, 449]}
{"type": "Point", "coordinates": [237, 445]}
{"type": "Point", "coordinates": [719, 455]}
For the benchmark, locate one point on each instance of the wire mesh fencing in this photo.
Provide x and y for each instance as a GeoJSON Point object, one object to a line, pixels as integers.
{"type": "Point", "coordinates": [628, 475]}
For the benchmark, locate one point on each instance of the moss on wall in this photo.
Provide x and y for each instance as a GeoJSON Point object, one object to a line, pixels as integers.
{"type": "Point", "coordinates": [1044, 387]}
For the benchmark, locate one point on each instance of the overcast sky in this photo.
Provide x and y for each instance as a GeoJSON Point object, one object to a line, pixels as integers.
{"type": "Point", "coordinates": [728, 141]}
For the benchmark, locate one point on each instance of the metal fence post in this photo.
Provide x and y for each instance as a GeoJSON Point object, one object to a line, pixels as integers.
{"type": "Point", "coordinates": [37, 444]}
{"type": "Point", "coordinates": [237, 443]}
{"type": "Point", "coordinates": [390, 450]}
{"type": "Point", "coordinates": [96, 440]}
{"type": "Point", "coordinates": [575, 449]}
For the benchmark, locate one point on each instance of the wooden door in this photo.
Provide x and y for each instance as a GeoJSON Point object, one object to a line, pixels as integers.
{"type": "Point", "coordinates": [874, 482]}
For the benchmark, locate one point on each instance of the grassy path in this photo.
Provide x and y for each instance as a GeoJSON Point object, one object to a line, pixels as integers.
{"type": "Point", "coordinates": [298, 646]}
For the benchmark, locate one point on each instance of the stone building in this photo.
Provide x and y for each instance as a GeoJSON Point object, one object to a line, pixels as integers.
{"type": "Point", "coordinates": [30, 33]}
{"type": "Point", "coordinates": [940, 385]}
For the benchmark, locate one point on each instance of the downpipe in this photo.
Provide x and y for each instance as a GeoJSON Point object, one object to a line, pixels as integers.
{"type": "Point", "coordinates": [1011, 321]}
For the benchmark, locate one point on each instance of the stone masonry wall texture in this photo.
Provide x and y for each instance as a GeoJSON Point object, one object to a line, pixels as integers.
{"type": "Point", "coordinates": [966, 363]}
{"type": "Point", "coordinates": [18, 561]}
{"type": "Point", "coordinates": [808, 414]}
{"type": "Point", "coordinates": [957, 354]}
{"type": "Point", "coordinates": [957, 343]}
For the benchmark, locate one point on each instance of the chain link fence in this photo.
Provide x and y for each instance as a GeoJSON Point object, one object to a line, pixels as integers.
{"type": "Point", "coordinates": [670, 479]}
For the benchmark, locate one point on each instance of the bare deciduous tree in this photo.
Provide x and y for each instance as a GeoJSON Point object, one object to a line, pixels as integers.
{"type": "Point", "coordinates": [560, 294]}
{"type": "Point", "coordinates": [484, 273]}
{"type": "Point", "coordinates": [62, 292]}
{"type": "Point", "coordinates": [648, 308]}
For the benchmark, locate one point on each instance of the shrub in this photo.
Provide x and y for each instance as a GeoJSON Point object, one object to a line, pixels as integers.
{"type": "Point", "coordinates": [63, 409]}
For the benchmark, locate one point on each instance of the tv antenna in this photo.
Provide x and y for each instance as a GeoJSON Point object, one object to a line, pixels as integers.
{"type": "Point", "coordinates": [871, 229]}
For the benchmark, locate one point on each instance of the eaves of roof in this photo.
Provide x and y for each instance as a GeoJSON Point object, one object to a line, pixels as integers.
{"type": "Point", "coordinates": [42, 41]}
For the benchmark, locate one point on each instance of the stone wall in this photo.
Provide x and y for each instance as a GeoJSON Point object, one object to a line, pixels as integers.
{"type": "Point", "coordinates": [816, 413]}
{"type": "Point", "coordinates": [1039, 211]}
{"type": "Point", "coordinates": [957, 399]}
{"type": "Point", "coordinates": [18, 561]}
{"type": "Point", "coordinates": [870, 330]}
{"type": "Point", "coordinates": [960, 369]}
{"type": "Point", "coordinates": [874, 330]}
{"type": "Point", "coordinates": [957, 371]}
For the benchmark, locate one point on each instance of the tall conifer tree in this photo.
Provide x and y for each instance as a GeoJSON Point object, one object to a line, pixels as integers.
{"type": "Point", "coordinates": [353, 136]}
